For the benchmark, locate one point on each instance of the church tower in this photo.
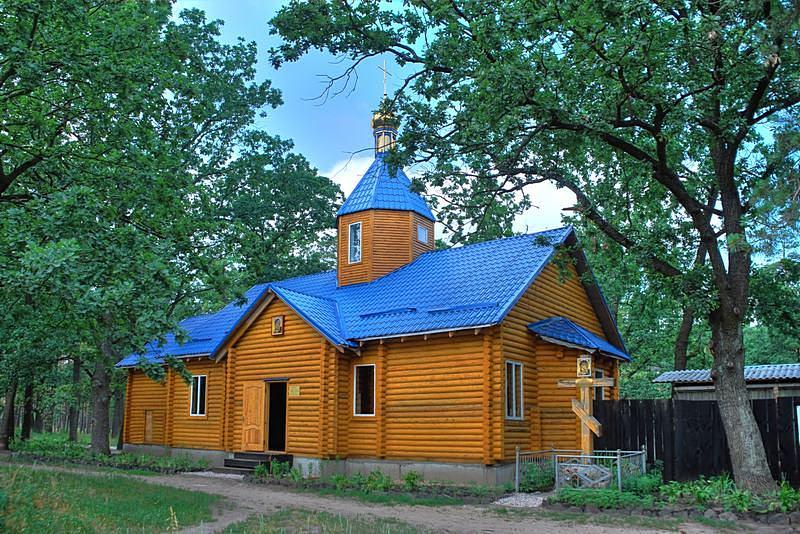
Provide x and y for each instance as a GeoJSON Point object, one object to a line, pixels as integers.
{"type": "Point", "coordinates": [382, 225]}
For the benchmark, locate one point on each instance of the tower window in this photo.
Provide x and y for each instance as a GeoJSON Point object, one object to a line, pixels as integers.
{"type": "Point", "coordinates": [354, 239]}
{"type": "Point", "coordinates": [422, 233]}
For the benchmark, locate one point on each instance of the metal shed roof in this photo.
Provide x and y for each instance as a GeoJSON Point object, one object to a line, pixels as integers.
{"type": "Point", "coordinates": [752, 373]}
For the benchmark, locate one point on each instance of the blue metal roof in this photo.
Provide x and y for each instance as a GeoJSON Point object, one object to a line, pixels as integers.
{"type": "Point", "coordinates": [752, 373]}
{"type": "Point", "coordinates": [380, 188]}
{"type": "Point", "coordinates": [562, 329]}
{"type": "Point", "coordinates": [462, 287]}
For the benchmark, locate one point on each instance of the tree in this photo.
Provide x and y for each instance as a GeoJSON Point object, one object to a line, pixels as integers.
{"type": "Point", "coordinates": [105, 244]}
{"type": "Point", "coordinates": [681, 116]}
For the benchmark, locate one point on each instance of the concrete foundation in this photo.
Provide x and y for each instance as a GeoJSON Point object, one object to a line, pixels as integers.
{"type": "Point", "coordinates": [460, 473]}
{"type": "Point", "coordinates": [214, 458]}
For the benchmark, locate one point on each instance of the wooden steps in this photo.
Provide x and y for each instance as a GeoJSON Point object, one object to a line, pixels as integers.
{"type": "Point", "coordinates": [249, 460]}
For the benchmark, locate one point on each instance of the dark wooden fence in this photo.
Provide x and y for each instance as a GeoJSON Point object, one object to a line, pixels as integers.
{"type": "Point", "coordinates": [688, 437]}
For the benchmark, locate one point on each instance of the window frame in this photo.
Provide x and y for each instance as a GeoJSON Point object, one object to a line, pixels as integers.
{"type": "Point", "coordinates": [519, 380]}
{"type": "Point", "coordinates": [194, 396]}
{"type": "Point", "coordinates": [422, 227]}
{"type": "Point", "coordinates": [602, 392]}
{"type": "Point", "coordinates": [350, 226]}
{"type": "Point", "coordinates": [374, 389]}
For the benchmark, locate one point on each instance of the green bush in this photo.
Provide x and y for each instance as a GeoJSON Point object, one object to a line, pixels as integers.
{"type": "Point", "coordinates": [717, 490]}
{"type": "Point", "coordinates": [377, 481]}
{"type": "Point", "coordinates": [340, 482]}
{"type": "Point", "coordinates": [535, 477]}
{"type": "Point", "coordinates": [295, 475]}
{"type": "Point", "coordinates": [602, 498]}
{"type": "Point", "coordinates": [279, 469]}
{"type": "Point", "coordinates": [647, 484]}
{"type": "Point", "coordinates": [412, 481]}
{"type": "Point", "coordinates": [786, 498]}
{"type": "Point", "coordinates": [261, 471]}
{"type": "Point", "coordinates": [57, 448]}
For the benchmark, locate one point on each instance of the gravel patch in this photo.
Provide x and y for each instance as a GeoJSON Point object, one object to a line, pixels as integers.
{"type": "Point", "coordinates": [212, 474]}
{"type": "Point", "coordinates": [523, 500]}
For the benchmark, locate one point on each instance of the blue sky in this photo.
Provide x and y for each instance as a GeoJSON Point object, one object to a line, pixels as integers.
{"type": "Point", "coordinates": [335, 135]}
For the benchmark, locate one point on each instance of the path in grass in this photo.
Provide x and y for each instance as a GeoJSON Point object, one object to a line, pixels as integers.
{"type": "Point", "coordinates": [244, 501]}
{"type": "Point", "coordinates": [265, 500]}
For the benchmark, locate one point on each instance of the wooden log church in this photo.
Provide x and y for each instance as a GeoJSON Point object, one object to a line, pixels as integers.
{"type": "Point", "coordinates": [403, 358]}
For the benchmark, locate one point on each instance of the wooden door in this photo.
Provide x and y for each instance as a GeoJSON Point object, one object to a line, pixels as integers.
{"type": "Point", "coordinates": [253, 416]}
{"type": "Point", "coordinates": [148, 426]}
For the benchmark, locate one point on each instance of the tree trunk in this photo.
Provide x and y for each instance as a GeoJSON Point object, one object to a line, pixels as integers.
{"type": "Point", "coordinates": [72, 415]}
{"type": "Point", "coordinates": [682, 341]}
{"type": "Point", "coordinates": [748, 457]}
{"type": "Point", "coordinates": [101, 396]}
{"type": "Point", "coordinates": [119, 406]}
{"type": "Point", "coordinates": [120, 435]}
{"type": "Point", "coordinates": [27, 412]}
{"type": "Point", "coordinates": [7, 423]}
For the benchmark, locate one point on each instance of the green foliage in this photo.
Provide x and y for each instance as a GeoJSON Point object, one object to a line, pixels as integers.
{"type": "Point", "coordinates": [377, 481]}
{"type": "Point", "coordinates": [279, 469]}
{"type": "Point", "coordinates": [602, 498]}
{"type": "Point", "coordinates": [295, 475]}
{"type": "Point", "coordinates": [647, 484]}
{"type": "Point", "coordinates": [299, 520]}
{"type": "Point", "coordinates": [535, 477]}
{"type": "Point", "coordinates": [41, 501]}
{"type": "Point", "coordinates": [412, 480]}
{"type": "Point", "coordinates": [261, 471]}
{"type": "Point", "coordinates": [54, 448]}
{"type": "Point", "coordinates": [143, 197]}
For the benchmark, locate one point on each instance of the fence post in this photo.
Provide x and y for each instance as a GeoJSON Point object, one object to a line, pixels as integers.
{"type": "Point", "coordinates": [644, 459]}
{"type": "Point", "coordinates": [516, 470]}
{"type": "Point", "coordinates": [619, 470]}
{"type": "Point", "coordinates": [555, 465]}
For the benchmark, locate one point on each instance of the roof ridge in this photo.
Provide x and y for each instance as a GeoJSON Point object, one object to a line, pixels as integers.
{"type": "Point", "coordinates": [302, 292]}
{"type": "Point", "coordinates": [495, 240]}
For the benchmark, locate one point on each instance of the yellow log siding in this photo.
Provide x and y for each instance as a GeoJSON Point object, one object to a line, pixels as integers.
{"type": "Point", "coordinates": [430, 400]}
{"type": "Point", "coordinates": [548, 419]}
{"type": "Point", "coordinates": [388, 241]}
{"type": "Point", "coordinates": [199, 431]}
{"type": "Point", "coordinates": [295, 355]}
{"type": "Point", "coordinates": [145, 394]}
{"type": "Point", "coordinates": [418, 247]}
{"type": "Point", "coordinates": [354, 273]}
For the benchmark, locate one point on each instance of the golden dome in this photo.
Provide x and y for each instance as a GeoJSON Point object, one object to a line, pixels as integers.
{"type": "Point", "coordinates": [383, 119]}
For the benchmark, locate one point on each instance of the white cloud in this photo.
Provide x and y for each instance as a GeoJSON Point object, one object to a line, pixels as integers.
{"type": "Point", "coordinates": [548, 206]}
{"type": "Point", "coordinates": [348, 172]}
{"type": "Point", "coordinates": [548, 201]}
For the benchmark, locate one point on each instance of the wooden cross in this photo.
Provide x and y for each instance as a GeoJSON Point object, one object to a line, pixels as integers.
{"type": "Point", "coordinates": [583, 407]}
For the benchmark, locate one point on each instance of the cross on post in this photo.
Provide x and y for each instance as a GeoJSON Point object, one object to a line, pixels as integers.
{"type": "Point", "coordinates": [583, 407]}
{"type": "Point", "coordinates": [385, 74]}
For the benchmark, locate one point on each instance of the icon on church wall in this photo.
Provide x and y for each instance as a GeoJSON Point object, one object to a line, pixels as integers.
{"type": "Point", "coordinates": [277, 325]}
{"type": "Point", "coordinates": [585, 366]}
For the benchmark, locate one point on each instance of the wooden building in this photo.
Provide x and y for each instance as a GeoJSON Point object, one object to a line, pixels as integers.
{"type": "Point", "coordinates": [403, 358]}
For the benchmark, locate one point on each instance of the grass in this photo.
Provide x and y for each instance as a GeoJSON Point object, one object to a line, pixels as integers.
{"type": "Point", "coordinates": [300, 520]}
{"type": "Point", "coordinates": [385, 497]}
{"type": "Point", "coordinates": [581, 518]}
{"type": "Point", "coordinates": [41, 501]}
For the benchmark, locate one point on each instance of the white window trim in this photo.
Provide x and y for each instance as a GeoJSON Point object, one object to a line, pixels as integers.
{"type": "Point", "coordinates": [602, 392]}
{"type": "Point", "coordinates": [421, 226]}
{"type": "Point", "coordinates": [374, 389]}
{"type": "Point", "coordinates": [191, 396]}
{"type": "Point", "coordinates": [521, 416]}
{"type": "Point", "coordinates": [350, 243]}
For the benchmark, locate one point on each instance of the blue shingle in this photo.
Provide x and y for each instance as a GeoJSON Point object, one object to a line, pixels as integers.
{"type": "Point", "coordinates": [461, 287]}
{"type": "Point", "coordinates": [380, 188]}
{"type": "Point", "coordinates": [565, 330]}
